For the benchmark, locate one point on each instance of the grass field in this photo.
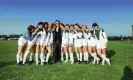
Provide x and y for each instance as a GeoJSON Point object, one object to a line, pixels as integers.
{"type": "Point", "coordinates": [121, 55]}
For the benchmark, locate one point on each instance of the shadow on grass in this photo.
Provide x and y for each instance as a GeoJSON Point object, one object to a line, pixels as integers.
{"type": "Point", "coordinates": [110, 53]}
{"type": "Point", "coordinates": [4, 64]}
{"type": "Point", "coordinates": [128, 74]}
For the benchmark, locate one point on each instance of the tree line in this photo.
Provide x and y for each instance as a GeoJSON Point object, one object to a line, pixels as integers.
{"type": "Point", "coordinates": [16, 36]}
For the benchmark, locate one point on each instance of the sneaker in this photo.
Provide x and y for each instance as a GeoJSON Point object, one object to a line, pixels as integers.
{"type": "Point", "coordinates": [72, 62]}
{"type": "Point", "coordinates": [65, 61]}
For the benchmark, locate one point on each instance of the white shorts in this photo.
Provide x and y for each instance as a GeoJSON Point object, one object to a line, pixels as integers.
{"type": "Point", "coordinates": [70, 42]}
{"type": "Point", "coordinates": [22, 41]}
{"type": "Point", "coordinates": [78, 43]}
{"type": "Point", "coordinates": [38, 40]}
{"type": "Point", "coordinates": [91, 43]}
{"type": "Point", "coordinates": [33, 41]}
{"type": "Point", "coordinates": [84, 42]}
{"type": "Point", "coordinates": [64, 43]}
{"type": "Point", "coordinates": [100, 44]}
{"type": "Point", "coordinates": [42, 42]}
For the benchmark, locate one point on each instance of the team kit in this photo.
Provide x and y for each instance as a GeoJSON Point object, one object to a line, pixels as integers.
{"type": "Point", "coordinates": [73, 43]}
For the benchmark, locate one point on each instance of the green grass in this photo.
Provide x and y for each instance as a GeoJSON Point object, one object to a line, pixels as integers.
{"type": "Point", "coordinates": [121, 66]}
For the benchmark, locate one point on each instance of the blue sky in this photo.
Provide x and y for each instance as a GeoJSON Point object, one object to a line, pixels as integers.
{"type": "Point", "coordinates": [114, 16]}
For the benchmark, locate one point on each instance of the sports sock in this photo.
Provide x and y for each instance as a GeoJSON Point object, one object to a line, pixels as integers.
{"type": "Point", "coordinates": [62, 58]}
{"type": "Point", "coordinates": [71, 57]}
{"type": "Point", "coordinates": [31, 56]}
{"type": "Point", "coordinates": [17, 57]}
{"type": "Point", "coordinates": [42, 57]}
{"type": "Point", "coordinates": [77, 56]}
{"type": "Point", "coordinates": [47, 57]}
{"type": "Point", "coordinates": [20, 58]}
{"type": "Point", "coordinates": [81, 56]}
{"type": "Point", "coordinates": [36, 55]}
{"type": "Point", "coordinates": [66, 56]}
{"type": "Point", "coordinates": [87, 56]}
{"type": "Point", "coordinates": [84, 56]}
{"type": "Point", "coordinates": [25, 56]}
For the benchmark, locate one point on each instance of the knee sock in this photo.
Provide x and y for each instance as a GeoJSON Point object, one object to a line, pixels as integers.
{"type": "Point", "coordinates": [31, 56]}
{"type": "Point", "coordinates": [66, 56]}
{"type": "Point", "coordinates": [77, 56]}
{"type": "Point", "coordinates": [25, 56]}
{"type": "Point", "coordinates": [47, 57]}
{"type": "Point", "coordinates": [87, 56]}
{"type": "Point", "coordinates": [21, 59]}
{"type": "Point", "coordinates": [42, 57]}
{"type": "Point", "coordinates": [62, 58]}
{"type": "Point", "coordinates": [17, 57]}
{"type": "Point", "coordinates": [71, 57]}
{"type": "Point", "coordinates": [36, 57]}
{"type": "Point", "coordinates": [104, 57]}
{"type": "Point", "coordinates": [81, 56]}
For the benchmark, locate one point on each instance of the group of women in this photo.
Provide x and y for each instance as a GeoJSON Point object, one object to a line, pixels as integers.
{"type": "Point", "coordinates": [83, 40]}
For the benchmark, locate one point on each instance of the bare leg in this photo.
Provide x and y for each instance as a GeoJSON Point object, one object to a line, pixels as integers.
{"type": "Point", "coordinates": [49, 48]}
{"type": "Point", "coordinates": [71, 54]}
{"type": "Point", "coordinates": [66, 53]}
{"type": "Point", "coordinates": [29, 47]}
{"type": "Point", "coordinates": [18, 56]}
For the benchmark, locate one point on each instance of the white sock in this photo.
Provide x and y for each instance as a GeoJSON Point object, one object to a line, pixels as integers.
{"type": "Point", "coordinates": [66, 56]}
{"type": "Point", "coordinates": [18, 56]}
{"type": "Point", "coordinates": [71, 57]}
{"type": "Point", "coordinates": [94, 55]}
{"type": "Point", "coordinates": [47, 57]}
{"type": "Point", "coordinates": [77, 56]}
{"type": "Point", "coordinates": [87, 56]}
{"type": "Point", "coordinates": [81, 56]}
{"type": "Point", "coordinates": [62, 58]}
{"type": "Point", "coordinates": [42, 57]}
{"type": "Point", "coordinates": [84, 56]}
{"type": "Point", "coordinates": [36, 55]}
{"type": "Point", "coordinates": [104, 57]}
{"type": "Point", "coordinates": [25, 56]}
{"type": "Point", "coordinates": [21, 59]}
{"type": "Point", "coordinates": [31, 56]}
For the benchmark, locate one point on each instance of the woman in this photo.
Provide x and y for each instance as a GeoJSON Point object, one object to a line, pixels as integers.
{"type": "Point", "coordinates": [49, 42]}
{"type": "Point", "coordinates": [39, 41]}
{"type": "Point", "coordinates": [62, 26]}
{"type": "Point", "coordinates": [78, 42]}
{"type": "Point", "coordinates": [70, 43]}
{"type": "Point", "coordinates": [32, 42]}
{"type": "Point", "coordinates": [92, 46]}
{"type": "Point", "coordinates": [84, 42]}
{"type": "Point", "coordinates": [23, 41]}
{"type": "Point", "coordinates": [101, 41]}
{"type": "Point", "coordinates": [65, 41]}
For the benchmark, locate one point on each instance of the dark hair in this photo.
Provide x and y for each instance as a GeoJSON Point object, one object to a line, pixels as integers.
{"type": "Point", "coordinates": [46, 23]}
{"type": "Point", "coordinates": [62, 24]}
{"type": "Point", "coordinates": [71, 24]}
{"type": "Point", "coordinates": [95, 24]}
{"type": "Point", "coordinates": [57, 21]}
{"type": "Point", "coordinates": [67, 25]}
{"type": "Point", "coordinates": [40, 23]}
{"type": "Point", "coordinates": [30, 27]}
{"type": "Point", "coordinates": [53, 24]}
{"type": "Point", "coordinates": [77, 24]}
